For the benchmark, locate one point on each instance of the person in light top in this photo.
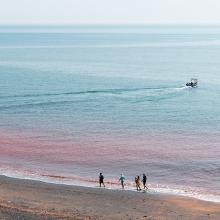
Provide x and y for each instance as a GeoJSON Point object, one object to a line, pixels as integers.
{"type": "Point", "coordinates": [138, 183]}
{"type": "Point", "coordinates": [122, 180]}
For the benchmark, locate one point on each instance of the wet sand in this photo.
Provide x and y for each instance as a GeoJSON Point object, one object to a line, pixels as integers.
{"type": "Point", "coordinates": [26, 199]}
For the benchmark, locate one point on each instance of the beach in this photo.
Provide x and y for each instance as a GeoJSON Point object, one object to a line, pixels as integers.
{"type": "Point", "coordinates": [27, 199]}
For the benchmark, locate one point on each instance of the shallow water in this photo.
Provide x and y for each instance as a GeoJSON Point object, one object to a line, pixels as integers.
{"type": "Point", "coordinates": [76, 101]}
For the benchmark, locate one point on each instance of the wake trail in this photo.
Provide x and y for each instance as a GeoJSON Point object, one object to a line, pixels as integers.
{"type": "Point", "coordinates": [104, 91]}
{"type": "Point", "coordinates": [133, 95]}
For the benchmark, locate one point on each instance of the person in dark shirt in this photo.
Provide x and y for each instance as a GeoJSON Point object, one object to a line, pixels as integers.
{"type": "Point", "coordinates": [144, 180]}
{"type": "Point", "coordinates": [101, 180]}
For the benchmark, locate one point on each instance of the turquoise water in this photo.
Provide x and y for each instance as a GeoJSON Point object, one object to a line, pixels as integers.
{"type": "Point", "coordinates": [76, 101]}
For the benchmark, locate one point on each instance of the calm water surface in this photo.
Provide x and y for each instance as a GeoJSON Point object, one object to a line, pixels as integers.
{"type": "Point", "coordinates": [76, 101]}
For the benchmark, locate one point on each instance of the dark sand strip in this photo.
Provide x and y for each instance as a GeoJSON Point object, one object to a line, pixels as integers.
{"type": "Point", "coordinates": [27, 200]}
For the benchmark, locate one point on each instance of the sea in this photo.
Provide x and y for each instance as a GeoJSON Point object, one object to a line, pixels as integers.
{"type": "Point", "coordinates": [79, 100]}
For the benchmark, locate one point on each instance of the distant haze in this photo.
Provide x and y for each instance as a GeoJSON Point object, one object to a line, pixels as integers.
{"type": "Point", "coordinates": [110, 12]}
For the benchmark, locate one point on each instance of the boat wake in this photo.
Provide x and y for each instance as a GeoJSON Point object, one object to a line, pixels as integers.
{"type": "Point", "coordinates": [134, 95]}
{"type": "Point", "coordinates": [101, 91]}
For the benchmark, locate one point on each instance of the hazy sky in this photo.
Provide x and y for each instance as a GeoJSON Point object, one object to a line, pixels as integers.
{"type": "Point", "coordinates": [109, 11]}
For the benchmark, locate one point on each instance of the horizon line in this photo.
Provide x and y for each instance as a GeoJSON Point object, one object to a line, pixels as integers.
{"type": "Point", "coordinates": [109, 24]}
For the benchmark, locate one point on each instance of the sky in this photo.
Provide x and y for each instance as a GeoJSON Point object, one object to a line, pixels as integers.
{"type": "Point", "coordinates": [110, 12]}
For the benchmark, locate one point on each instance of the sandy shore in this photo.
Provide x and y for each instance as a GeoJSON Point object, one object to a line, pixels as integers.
{"type": "Point", "coordinates": [25, 199]}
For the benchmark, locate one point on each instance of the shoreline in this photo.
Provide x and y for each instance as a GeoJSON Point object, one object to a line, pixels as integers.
{"type": "Point", "coordinates": [152, 189]}
{"type": "Point", "coordinates": [38, 200]}
{"type": "Point", "coordinates": [15, 144]}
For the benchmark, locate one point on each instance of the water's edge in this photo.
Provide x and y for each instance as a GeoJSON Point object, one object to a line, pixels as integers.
{"type": "Point", "coordinates": [152, 188]}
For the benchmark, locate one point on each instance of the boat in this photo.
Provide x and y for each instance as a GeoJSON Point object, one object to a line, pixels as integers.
{"type": "Point", "coordinates": [193, 82]}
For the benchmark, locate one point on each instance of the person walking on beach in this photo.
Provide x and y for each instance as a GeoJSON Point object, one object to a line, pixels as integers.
{"type": "Point", "coordinates": [101, 180]}
{"type": "Point", "coordinates": [122, 180]}
{"type": "Point", "coordinates": [137, 182]}
{"type": "Point", "coordinates": [144, 180]}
